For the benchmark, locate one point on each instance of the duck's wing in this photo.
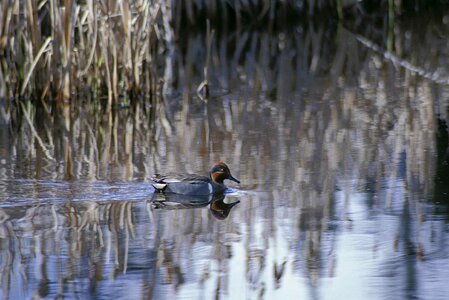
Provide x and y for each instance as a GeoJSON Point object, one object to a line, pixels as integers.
{"type": "Point", "coordinates": [179, 178]}
{"type": "Point", "coordinates": [189, 184]}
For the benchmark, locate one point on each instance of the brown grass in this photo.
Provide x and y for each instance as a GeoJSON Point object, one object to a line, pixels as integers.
{"type": "Point", "coordinates": [55, 49]}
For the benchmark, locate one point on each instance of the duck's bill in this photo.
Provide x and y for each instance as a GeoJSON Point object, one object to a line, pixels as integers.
{"type": "Point", "coordinates": [233, 179]}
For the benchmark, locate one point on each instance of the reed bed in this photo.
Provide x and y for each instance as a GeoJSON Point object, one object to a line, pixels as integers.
{"type": "Point", "coordinates": [114, 51]}
{"type": "Point", "coordinates": [101, 50]}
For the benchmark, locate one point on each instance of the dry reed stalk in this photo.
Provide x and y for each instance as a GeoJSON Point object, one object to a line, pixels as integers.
{"type": "Point", "coordinates": [26, 114]}
{"type": "Point", "coordinates": [91, 13]}
{"type": "Point", "coordinates": [115, 94]}
{"type": "Point", "coordinates": [105, 56]}
{"type": "Point", "coordinates": [127, 49]}
{"type": "Point", "coordinates": [45, 47]}
{"type": "Point", "coordinates": [203, 89]}
{"type": "Point", "coordinates": [32, 18]}
{"type": "Point", "coordinates": [6, 12]}
{"type": "Point", "coordinates": [56, 55]}
{"type": "Point", "coordinates": [70, 14]}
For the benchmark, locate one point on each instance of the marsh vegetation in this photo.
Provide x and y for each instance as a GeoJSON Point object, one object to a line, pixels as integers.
{"type": "Point", "coordinates": [336, 129]}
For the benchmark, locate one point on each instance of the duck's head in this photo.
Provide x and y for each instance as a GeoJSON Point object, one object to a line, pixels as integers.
{"type": "Point", "coordinates": [219, 172]}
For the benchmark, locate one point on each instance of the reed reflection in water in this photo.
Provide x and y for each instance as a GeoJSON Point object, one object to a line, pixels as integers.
{"type": "Point", "coordinates": [335, 149]}
{"type": "Point", "coordinates": [76, 247]}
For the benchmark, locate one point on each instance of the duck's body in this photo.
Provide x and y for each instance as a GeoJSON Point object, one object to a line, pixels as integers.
{"type": "Point", "coordinates": [187, 184]}
{"type": "Point", "coordinates": [191, 184]}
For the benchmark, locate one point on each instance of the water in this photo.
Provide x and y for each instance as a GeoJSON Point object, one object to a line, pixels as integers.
{"type": "Point", "coordinates": [340, 154]}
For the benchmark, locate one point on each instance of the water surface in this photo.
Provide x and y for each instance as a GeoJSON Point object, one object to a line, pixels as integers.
{"type": "Point", "coordinates": [341, 154]}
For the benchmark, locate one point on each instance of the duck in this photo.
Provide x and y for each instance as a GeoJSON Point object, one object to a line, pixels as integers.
{"type": "Point", "coordinates": [192, 184]}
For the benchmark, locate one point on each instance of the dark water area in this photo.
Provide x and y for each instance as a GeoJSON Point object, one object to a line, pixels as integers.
{"type": "Point", "coordinates": [340, 147]}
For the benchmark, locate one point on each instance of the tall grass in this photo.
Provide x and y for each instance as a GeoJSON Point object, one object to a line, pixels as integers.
{"type": "Point", "coordinates": [55, 49]}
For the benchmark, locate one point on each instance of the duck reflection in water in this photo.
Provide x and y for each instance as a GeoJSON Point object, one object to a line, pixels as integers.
{"type": "Point", "coordinates": [218, 208]}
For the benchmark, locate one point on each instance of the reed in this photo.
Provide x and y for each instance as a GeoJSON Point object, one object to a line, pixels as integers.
{"type": "Point", "coordinates": [56, 49]}
{"type": "Point", "coordinates": [203, 89]}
